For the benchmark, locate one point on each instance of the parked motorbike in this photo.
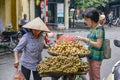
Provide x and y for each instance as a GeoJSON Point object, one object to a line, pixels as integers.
{"type": "Point", "coordinates": [116, 68]}
{"type": "Point", "coordinates": [115, 74]}
{"type": "Point", "coordinates": [116, 22]}
{"type": "Point", "coordinates": [8, 41]}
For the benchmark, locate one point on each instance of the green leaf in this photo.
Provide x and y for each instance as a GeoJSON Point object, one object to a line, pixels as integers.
{"type": "Point", "coordinates": [79, 4]}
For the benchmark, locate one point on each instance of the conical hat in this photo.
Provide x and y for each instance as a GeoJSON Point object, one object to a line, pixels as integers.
{"type": "Point", "coordinates": [37, 24]}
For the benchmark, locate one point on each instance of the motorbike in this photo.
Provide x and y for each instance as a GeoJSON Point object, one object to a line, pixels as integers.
{"type": "Point", "coordinates": [116, 68]}
{"type": "Point", "coordinates": [115, 74]}
{"type": "Point", "coordinates": [116, 22]}
{"type": "Point", "coordinates": [8, 41]}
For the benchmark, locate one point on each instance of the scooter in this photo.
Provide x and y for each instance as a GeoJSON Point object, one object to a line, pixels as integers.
{"type": "Point", "coordinates": [8, 41]}
{"type": "Point", "coordinates": [115, 75]}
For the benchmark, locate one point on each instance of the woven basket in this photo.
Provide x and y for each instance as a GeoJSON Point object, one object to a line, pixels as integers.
{"type": "Point", "coordinates": [80, 55]}
{"type": "Point", "coordinates": [58, 74]}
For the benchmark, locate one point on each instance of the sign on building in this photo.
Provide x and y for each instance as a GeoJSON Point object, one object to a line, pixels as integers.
{"type": "Point", "coordinates": [60, 10]}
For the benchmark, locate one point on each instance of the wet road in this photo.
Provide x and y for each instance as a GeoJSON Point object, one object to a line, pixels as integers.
{"type": "Point", "coordinates": [6, 61]}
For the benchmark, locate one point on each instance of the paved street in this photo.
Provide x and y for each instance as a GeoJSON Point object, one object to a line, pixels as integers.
{"type": "Point", "coordinates": [6, 61]}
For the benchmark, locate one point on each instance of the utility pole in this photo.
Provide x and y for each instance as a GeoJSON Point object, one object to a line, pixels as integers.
{"type": "Point", "coordinates": [66, 18]}
{"type": "Point", "coordinates": [32, 10]}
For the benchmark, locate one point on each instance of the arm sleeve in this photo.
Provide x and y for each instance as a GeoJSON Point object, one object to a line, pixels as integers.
{"type": "Point", "coordinates": [21, 44]}
{"type": "Point", "coordinates": [99, 33]}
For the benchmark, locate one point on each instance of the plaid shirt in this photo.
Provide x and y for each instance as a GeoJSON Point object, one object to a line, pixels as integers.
{"type": "Point", "coordinates": [96, 53]}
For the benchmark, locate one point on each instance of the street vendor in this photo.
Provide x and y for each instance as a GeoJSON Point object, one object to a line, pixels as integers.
{"type": "Point", "coordinates": [32, 44]}
{"type": "Point", "coordinates": [95, 41]}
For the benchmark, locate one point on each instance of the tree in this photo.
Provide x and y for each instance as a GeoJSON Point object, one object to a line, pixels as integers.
{"type": "Point", "coordinates": [84, 4]}
{"type": "Point", "coordinates": [81, 4]}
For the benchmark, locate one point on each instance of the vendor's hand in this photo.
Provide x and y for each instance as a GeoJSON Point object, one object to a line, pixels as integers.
{"type": "Point", "coordinates": [16, 64]}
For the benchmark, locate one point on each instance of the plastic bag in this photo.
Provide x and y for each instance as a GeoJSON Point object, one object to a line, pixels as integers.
{"type": "Point", "coordinates": [19, 75]}
{"type": "Point", "coordinates": [51, 34]}
{"type": "Point", "coordinates": [65, 38]}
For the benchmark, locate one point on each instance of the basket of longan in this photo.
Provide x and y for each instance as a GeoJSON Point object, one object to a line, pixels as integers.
{"type": "Point", "coordinates": [62, 65]}
{"type": "Point", "coordinates": [69, 49]}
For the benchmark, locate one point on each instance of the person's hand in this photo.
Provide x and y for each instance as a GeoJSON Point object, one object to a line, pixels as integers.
{"type": "Point", "coordinates": [81, 39]}
{"type": "Point", "coordinates": [16, 63]}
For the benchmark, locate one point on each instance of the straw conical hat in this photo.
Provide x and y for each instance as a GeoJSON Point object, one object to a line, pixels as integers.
{"type": "Point", "coordinates": [37, 24]}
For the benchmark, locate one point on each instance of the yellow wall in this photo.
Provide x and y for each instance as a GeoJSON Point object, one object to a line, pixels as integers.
{"type": "Point", "coordinates": [2, 12]}
{"type": "Point", "coordinates": [11, 12]}
{"type": "Point", "coordinates": [7, 12]}
{"type": "Point", "coordinates": [19, 10]}
{"type": "Point", "coordinates": [25, 4]}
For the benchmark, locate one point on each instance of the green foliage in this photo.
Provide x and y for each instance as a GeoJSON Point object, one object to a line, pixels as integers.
{"type": "Point", "coordinates": [79, 4]}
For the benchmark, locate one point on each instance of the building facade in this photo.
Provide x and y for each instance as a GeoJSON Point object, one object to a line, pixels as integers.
{"type": "Point", "coordinates": [114, 6]}
{"type": "Point", "coordinates": [11, 11]}
{"type": "Point", "coordinates": [53, 12]}
{"type": "Point", "coordinates": [8, 15]}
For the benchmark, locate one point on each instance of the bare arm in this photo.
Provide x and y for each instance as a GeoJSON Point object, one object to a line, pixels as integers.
{"type": "Point", "coordinates": [96, 44]}
{"type": "Point", "coordinates": [16, 61]}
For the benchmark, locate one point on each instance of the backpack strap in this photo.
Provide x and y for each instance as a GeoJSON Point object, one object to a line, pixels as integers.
{"type": "Point", "coordinates": [101, 27]}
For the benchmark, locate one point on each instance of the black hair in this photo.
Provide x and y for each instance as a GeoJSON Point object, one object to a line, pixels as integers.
{"type": "Point", "coordinates": [83, 14]}
{"type": "Point", "coordinates": [100, 12]}
{"type": "Point", "coordinates": [92, 13]}
{"type": "Point", "coordinates": [25, 15]}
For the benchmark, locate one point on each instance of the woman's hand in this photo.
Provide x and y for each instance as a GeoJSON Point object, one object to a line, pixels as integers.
{"type": "Point", "coordinates": [82, 39]}
{"type": "Point", "coordinates": [16, 63]}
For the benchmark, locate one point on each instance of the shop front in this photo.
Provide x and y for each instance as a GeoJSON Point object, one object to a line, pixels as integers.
{"type": "Point", "coordinates": [115, 7]}
{"type": "Point", "coordinates": [56, 12]}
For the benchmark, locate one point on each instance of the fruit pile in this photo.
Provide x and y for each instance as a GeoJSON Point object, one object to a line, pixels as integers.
{"type": "Point", "coordinates": [65, 61]}
{"type": "Point", "coordinates": [62, 64]}
{"type": "Point", "coordinates": [69, 48]}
